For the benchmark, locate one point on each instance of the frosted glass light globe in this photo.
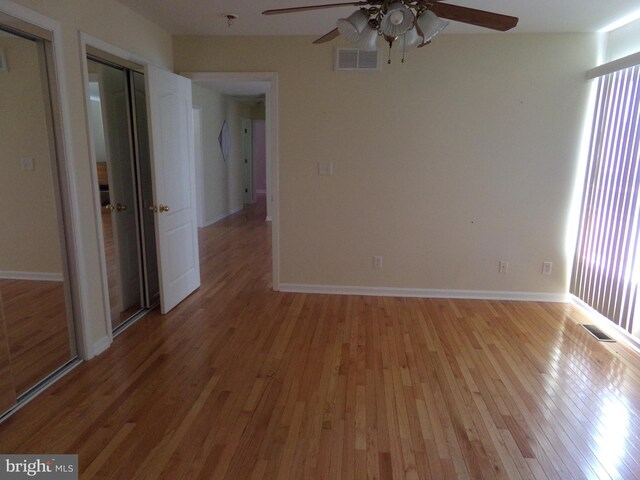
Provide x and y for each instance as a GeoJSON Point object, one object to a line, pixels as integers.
{"type": "Point", "coordinates": [396, 17]}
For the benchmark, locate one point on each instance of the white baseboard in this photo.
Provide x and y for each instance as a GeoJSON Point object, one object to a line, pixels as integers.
{"type": "Point", "coordinates": [425, 293]}
{"type": "Point", "coordinates": [222, 216]}
{"type": "Point", "coordinates": [217, 218]}
{"type": "Point", "coordinates": [607, 325]}
{"type": "Point", "coordinates": [100, 346]}
{"type": "Point", "coordinates": [37, 276]}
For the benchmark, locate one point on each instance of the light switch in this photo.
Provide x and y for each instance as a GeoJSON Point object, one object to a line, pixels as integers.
{"type": "Point", "coordinates": [26, 163]}
{"type": "Point", "coordinates": [325, 168]}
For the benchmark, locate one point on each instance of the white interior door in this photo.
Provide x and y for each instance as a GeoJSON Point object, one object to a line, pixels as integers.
{"type": "Point", "coordinates": [172, 161]}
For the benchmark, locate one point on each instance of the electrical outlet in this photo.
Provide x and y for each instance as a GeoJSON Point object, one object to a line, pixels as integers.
{"type": "Point", "coordinates": [26, 163]}
{"type": "Point", "coordinates": [546, 268]}
{"type": "Point", "coordinates": [377, 262]}
{"type": "Point", "coordinates": [325, 168]}
{"type": "Point", "coordinates": [503, 266]}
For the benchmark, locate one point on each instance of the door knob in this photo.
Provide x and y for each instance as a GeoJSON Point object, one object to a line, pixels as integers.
{"type": "Point", "coordinates": [120, 207]}
{"type": "Point", "coordinates": [109, 207]}
{"type": "Point", "coordinates": [163, 208]}
{"type": "Point", "coordinates": [152, 208]}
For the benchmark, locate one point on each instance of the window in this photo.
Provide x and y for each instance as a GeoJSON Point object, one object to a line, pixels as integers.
{"type": "Point", "coordinates": [606, 267]}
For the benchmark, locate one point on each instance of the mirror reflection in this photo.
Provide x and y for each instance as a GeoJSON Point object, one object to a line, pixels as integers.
{"type": "Point", "coordinates": [35, 319]}
{"type": "Point", "coordinates": [118, 122]}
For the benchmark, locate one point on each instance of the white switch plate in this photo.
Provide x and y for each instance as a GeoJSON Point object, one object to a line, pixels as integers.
{"type": "Point", "coordinates": [325, 168]}
{"type": "Point", "coordinates": [546, 268]}
{"type": "Point", "coordinates": [377, 261]}
{"type": "Point", "coordinates": [26, 163]}
{"type": "Point", "coordinates": [503, 266]}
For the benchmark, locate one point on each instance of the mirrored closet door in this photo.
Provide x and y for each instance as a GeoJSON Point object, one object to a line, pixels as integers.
{"type": "Point", "coordinates": [36, 330]}
{"type": "Point", "coordinates": [117, 108]}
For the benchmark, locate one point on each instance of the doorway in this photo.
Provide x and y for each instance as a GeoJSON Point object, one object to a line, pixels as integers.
{"type": "Point", "coordinates": [117, 112]}
{"type": "Point", "coordinates": [266, 84]}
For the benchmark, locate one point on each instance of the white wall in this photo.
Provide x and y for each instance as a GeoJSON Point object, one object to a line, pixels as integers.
{"type": "Point", "coordinates": [623, 41]}
{"type": "Point", "coordinates": [117, 25]}
{"type": "Point", "coordinates": [463, 156]}
{"type": "Point", "coordinates": [223, 181]}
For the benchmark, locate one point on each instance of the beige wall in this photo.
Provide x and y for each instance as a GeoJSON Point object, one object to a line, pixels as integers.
{"type": "Point", "coordinates": [115, 24]}
{"type": "Point", "coordinates": [623, 41]}
{"type": "Point", "coordinates": [29, 240]}
{"type": "Point", "coordinates": [461, 157]}
{"type": "Point", "coordinates": [223, 180]}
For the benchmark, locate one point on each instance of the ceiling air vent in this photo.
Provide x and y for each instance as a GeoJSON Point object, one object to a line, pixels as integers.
{"type": "Point", "coordinates": [352, 59]}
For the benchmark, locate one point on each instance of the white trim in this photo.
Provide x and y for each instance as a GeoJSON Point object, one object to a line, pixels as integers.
{"type": "Point", "coordinates": [199, 163]}
{"type": "Point", "coordinates": [86, 40]}
{"type": "Point", "coordinates": [95, 42]}
{"type": "Point", "coordinates": [273, 176]}
{"type": "Point", "coordinates": [37, 276]}
{"type": "Point", "coordinates": [607, 325]}
{"type": "Point", "coordinates": [222, 216]}
{"type": "Point", "coordinates": [425, 293]}
{"type": "Point", "coordinates": [100, 346]}
{"type": "Point", "coordinates": [615, 66]}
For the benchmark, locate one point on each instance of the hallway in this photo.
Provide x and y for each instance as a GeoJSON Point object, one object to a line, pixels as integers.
{"type": "Point", "coordinates": [241, 382]}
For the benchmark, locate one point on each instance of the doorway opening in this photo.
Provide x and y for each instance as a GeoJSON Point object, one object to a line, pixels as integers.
{"type": "Point", "coordinates": [118, 121]}
{"type": "Point", "coordinates": [262, 90]}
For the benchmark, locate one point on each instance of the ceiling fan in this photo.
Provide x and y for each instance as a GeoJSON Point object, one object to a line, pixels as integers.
{"type": "Point", "coordinates": [416, 21]}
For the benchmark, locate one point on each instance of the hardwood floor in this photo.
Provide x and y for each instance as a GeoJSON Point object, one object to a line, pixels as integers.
{"type": "Point", "coordinates": [240, 382]}
{"type": "Point", "coordinates": [37, 329]}
{"type": "Point", "coordinates": [119, 312]}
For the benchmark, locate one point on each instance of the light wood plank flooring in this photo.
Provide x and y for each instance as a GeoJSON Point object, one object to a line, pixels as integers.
{"type": "Point", "coordinates": [240, 382]}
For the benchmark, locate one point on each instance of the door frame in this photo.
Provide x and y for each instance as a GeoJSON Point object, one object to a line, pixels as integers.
{"type": "Point", "coordinates": [271, 120]}
{"type": "Point", "coordinates": [199, 162]}
{"type": "Point", "coordinates": [88, 42]}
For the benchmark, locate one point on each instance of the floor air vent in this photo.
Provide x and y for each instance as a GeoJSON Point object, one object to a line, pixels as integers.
{"type": "Point", "coordinates": [597, 333]}
{"type": "Point", "coordinates": [352, 59]}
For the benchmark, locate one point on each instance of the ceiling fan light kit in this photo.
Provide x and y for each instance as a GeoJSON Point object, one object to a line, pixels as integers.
{"type": "Point", "coordinates": [416, 22]}
{"type": "Point", "coordinates": [430, 25]}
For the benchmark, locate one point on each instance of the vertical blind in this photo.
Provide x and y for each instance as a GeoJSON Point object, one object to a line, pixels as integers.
{"type": "Point", "coordinates": [606, 266]}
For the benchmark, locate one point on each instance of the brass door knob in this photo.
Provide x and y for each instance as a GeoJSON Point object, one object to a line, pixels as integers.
{"type": "Point", "coordinates": [163, 208]}
{"type": "Point", "coordinates": [120, 207]}
{"type": "Point", "coordinates": [109, 207]}
{"type": "Point", "coordinates": [152, 208]}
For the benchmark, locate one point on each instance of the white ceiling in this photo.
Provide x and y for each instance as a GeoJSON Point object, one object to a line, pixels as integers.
{"type": "Point", "coordinates": [204, 17]}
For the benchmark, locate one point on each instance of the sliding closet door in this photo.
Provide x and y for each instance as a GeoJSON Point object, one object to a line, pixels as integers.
{"type": "Point", "coordinates": [35, 330]}
{"type": "Point", "coordinates": [8, 396]}
{"type": "Point", "coordinates": [113, 147]}
{"type": "Point", "coordinates": [173, 165]}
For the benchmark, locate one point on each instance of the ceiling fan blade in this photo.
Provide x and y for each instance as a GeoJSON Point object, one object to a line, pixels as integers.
{"type": "Point", "coordinates": [278, 11]}
{"type": "Point", "coordinates": [327, 37]}
{"type": "Point", "coordinates": [481, 18]}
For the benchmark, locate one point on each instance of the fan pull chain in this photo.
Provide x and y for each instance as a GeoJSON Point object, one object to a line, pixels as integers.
{"type": "Point", "coordinates": [389, 61]}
